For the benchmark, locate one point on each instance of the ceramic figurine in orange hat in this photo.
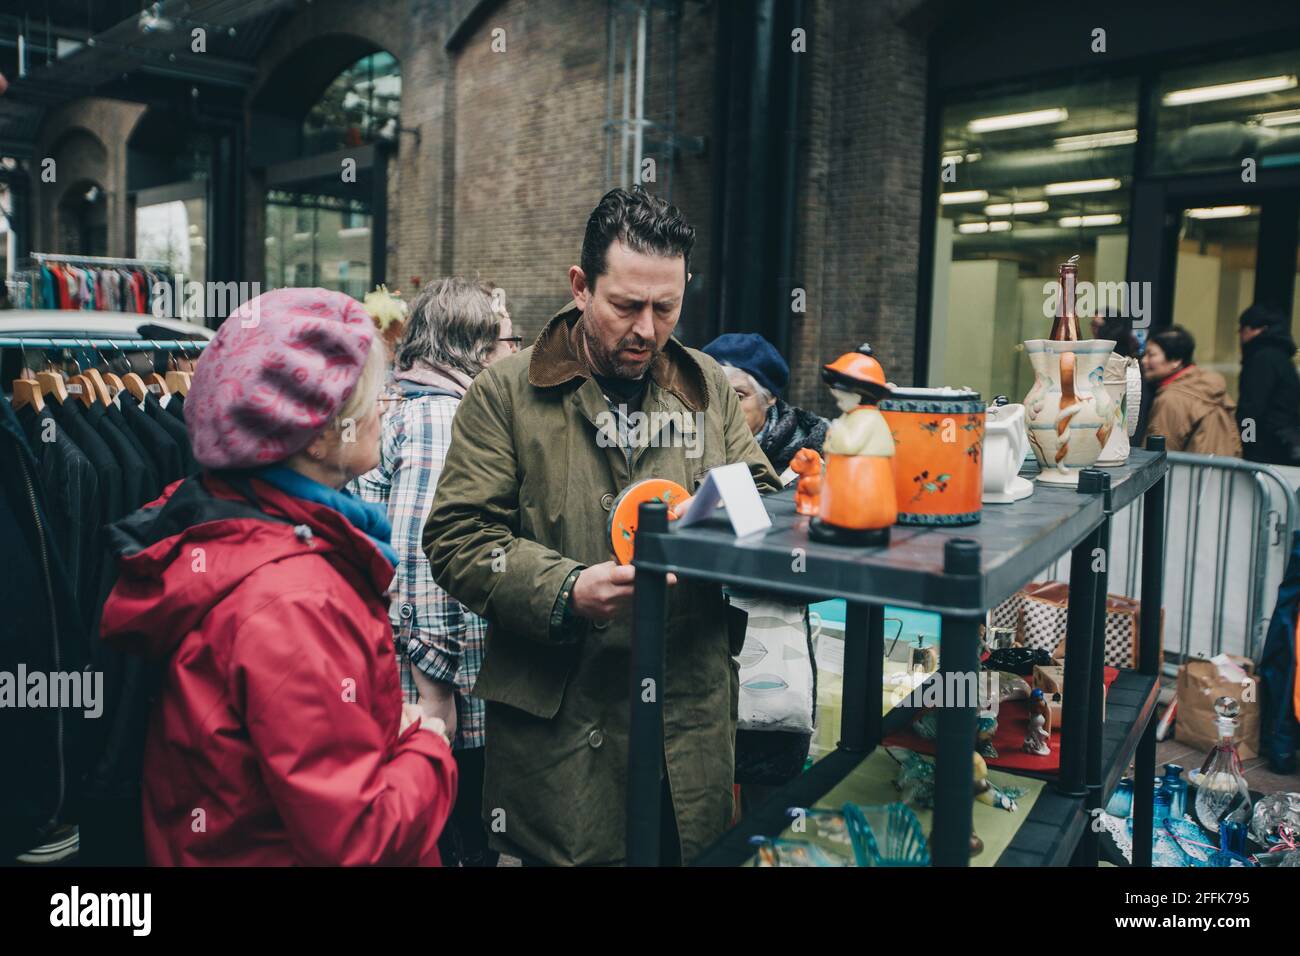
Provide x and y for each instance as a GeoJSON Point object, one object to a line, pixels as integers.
{"type": "Point", "coordinates": [807, 464]}
{"type": "Point", "coordinates": [858, 499]}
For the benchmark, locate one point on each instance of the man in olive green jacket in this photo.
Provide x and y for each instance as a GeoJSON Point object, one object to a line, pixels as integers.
{"type": "Point", "coordinates": [519, 533]}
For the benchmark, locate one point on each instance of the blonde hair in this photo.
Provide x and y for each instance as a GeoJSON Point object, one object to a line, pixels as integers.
{"type": "Point", "coordinates": [365, 393]}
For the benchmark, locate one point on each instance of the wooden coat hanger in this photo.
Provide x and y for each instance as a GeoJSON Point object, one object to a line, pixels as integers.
{"type": "Point", "coordinates": [97, 380]}
{"type": "Point", "coordinates": [178, 382]}
{"type": "Point", "coordinates": [27, 391]}
{"type": "Point", "coordinates": [134, 384]}
{"type": "Point", "coordinates": [153, 378]}
{"type": "Point", "coordinates": [52, 384]}
{"type": "Point", "coordinates": [83, 388]}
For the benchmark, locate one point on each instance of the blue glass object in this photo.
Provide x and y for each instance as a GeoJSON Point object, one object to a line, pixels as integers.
{"type": "Point", "coordinates": [1232, 837]}
{"type": "Point", "coordinates": [1161, 810]}
{"type": "Point", "coordinates": [1177, 787]}
{"type": "Point", "coordinates": [1121, 801]}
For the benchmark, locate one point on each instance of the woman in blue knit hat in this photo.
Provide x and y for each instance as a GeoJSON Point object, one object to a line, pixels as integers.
{"type": "Point", "coordinates": [759, 375]}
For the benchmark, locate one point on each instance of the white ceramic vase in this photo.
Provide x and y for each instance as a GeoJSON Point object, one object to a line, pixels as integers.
{"type": "Point", "coordinates": [1069, 412]}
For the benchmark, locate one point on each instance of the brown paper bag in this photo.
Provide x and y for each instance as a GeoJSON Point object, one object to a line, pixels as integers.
{"type": "Point", "coordinates": [1199, 685]}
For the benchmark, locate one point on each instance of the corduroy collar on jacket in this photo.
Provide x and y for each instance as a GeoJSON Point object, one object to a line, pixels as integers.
{"type": "Point", "coordinates": [557, 359]}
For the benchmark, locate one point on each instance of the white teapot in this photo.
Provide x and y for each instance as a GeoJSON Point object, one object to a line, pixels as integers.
{"type": "Point", "coordinates": [1006, 443]}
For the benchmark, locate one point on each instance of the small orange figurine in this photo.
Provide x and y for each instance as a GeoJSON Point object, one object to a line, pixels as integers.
{"type": "Point", "coordinates": [858, 501]}
{"type": "Point", "coordinates": [807, 464]}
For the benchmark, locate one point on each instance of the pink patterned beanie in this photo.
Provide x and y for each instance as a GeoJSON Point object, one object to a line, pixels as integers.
{"type": "Point", "coordinates": [274, 376]}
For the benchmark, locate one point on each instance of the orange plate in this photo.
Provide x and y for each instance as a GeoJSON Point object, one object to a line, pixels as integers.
{"type": "Point", "coordinates": [622, 517]}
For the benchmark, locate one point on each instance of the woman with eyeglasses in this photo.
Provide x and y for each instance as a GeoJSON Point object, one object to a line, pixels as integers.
{"type": "Point", "coordinates": [456, 328]}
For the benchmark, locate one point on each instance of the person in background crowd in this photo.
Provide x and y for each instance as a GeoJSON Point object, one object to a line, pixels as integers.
{"type": "Point", "coordinates": [260, 588]}
{"type": "Point", "coordinates": [758, 373]}
{"type": "Point", "coordinates": [1191, 407]}
{"type": "Point", "coordinates": [520, 533]}
{"type": "Point", "coordinates": [455, 330]}
{"type": "Point", "coordinates": [1269, 388]}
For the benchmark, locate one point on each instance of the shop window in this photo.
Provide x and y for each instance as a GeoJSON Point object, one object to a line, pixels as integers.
{"type": "Point", "coordinates": [1212, 118]}
{"type": "Point", "coordinates": [355, 106]}
{"type": "Point", "coordinates": [1028, 179]}
{"type": "Point", "coordinates": [317, 240]}
{"type": "Point", "coordinates": [175, 233]}
{"type": "Point", "coordinates": [1214, 282]}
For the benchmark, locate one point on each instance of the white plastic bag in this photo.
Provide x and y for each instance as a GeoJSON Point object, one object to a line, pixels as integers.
{"type": "Point", "coordinates": [776, 667]}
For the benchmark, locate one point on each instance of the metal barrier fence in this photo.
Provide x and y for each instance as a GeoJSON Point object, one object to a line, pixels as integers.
{"type": "Point", "coordinates": [1228, 536]}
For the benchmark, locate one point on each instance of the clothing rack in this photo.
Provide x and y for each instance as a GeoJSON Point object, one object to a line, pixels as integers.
{"type": "Point", "coordinates": [100, 345]}
{"type": "Point", "coordinates": [39, 257]}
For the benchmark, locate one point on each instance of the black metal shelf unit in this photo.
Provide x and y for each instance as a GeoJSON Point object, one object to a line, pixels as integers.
{"type": "Point", "coordinates": [958, 573]}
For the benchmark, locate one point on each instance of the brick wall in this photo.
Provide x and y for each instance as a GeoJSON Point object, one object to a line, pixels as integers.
{"type": "Point", "coordinates": [860, 200]}
{"type": "Point", "coordinates": [87, 140]}
{"type": "Point", "coordinates": [511, 156]}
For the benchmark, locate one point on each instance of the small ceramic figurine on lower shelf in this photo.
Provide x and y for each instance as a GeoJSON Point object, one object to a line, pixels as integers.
{"type": "Point", "coordinates": [858, 499]}
{"type": "Point", "coordinates": [807, 464]}
{"type": "Point", "coordinates": [1036, 738]}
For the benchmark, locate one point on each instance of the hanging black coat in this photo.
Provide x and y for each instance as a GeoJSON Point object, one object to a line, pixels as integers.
{"type": "Point", "coordinates": [71, 416]}
{"type": "Point", "coordinates": [160, 446]}
{"type": "Point", "coordinates": [176, 407]}
{"type": "Point", "coordinates": [128, 462]}
{"type": "Point", "coordinates": [174, 428]}
{"type": "Point", "coordinates": [38, 745]}
{"type": "Point", "coordinates": [1270, 397]}
{"type": "Point", "coordinates": [151, 485]}
{"type": "Point", "coordinates": [71, 491]}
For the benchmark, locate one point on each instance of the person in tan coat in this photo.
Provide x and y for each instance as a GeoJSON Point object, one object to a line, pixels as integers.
{"type": "Point", "coordinates": [1191, 408]}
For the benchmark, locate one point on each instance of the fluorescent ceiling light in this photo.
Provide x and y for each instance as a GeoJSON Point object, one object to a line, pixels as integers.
{"type": "Point", "coordinates": [1228, 91]}
{"type": "Point", "coordinates": [961, 196]}
{"type": "Point", "coordinates": [1098, 219]}
{"type": "Point", "coordinates": [1116, 137]}
{"type": "Point", "coordinates": [992, 124]}
{"type": "Point", "coordinates": [971, 228]}
{"type": "Point", "coordinates": [1081, 186]}
{"type": "Point", "coordinates": [953, 158]}
{"type": "Point", "coordinates": [1281, 118]}
{"type": "Point", "coordinates": [1014, 208]}
{"type": "Point", "coordinates": [1220, 212]}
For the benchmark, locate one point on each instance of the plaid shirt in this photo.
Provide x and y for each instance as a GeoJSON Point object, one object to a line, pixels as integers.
{"type": "Point", "coordinates": [433, 631]}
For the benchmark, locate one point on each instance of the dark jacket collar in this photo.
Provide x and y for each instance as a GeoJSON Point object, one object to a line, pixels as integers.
{"type": "Point", "coordinates": [557, 360]}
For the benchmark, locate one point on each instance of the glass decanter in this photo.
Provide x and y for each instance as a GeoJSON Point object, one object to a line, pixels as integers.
{"type": "Point", "coordinates": [1221, 790]}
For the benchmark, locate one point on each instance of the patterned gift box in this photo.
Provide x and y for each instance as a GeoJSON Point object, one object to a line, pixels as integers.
{"type": "Point", "coordinates": [1039, 611]}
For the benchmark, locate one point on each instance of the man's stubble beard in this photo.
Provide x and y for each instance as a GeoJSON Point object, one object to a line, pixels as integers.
{"type": "Point", "coordinates": [603, 362]}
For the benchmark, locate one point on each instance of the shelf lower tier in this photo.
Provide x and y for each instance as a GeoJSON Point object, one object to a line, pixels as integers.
{"type": "Point", "coordinates": [1050, 831]}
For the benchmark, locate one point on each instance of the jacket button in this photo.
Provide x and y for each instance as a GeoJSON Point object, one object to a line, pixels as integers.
{"type": "Point", "coordinates": [600, 625]}
{"type": "Point", "coordinates": [607, 502]}
{"type": "Point", "coordinates": [595, 739]}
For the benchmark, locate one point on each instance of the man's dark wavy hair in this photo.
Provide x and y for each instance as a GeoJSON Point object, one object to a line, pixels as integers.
{"type": "Point", "coordinates": [642, 222]}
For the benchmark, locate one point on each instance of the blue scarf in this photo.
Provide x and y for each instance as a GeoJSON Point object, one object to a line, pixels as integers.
{"type": "Point", "coordinates": [370, 519]}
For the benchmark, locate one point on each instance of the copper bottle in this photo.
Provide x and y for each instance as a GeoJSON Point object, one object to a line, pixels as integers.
{"type": "Point", "coordinates": [1066, 326]}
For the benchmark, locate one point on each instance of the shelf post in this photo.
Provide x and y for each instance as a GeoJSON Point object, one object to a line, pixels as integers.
{"type": "Point", "coordinates": [864, 669]}
{"type": "Point", "coordinates": [1090, 845]}
{"type": "Point", "coordinates": [1153, 566]}
{"type": "Point", "coordinates": [953, 780]}
{"type": "Point", "coordinates": [1085, 559]}
{"type": "Point", "coordinates": [645, 692]}
{"type": "Point", "coordinates": [1153, 585]}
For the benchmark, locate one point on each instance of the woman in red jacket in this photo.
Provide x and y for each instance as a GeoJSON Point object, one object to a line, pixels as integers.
{"type": "Point", "coordinates": [280, 736]}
